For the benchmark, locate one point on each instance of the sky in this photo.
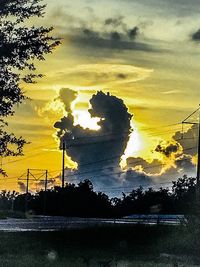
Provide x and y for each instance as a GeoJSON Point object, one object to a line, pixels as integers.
{"type": "Point", "coordinates": [144, 52]}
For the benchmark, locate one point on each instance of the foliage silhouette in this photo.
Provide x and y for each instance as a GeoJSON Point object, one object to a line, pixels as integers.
{"type": "Point", "coordinates": [20, 46]}
{"type": "Point", "coordinates": [82, 201]}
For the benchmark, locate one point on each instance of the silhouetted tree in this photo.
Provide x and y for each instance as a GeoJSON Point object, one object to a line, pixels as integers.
{"type": "Point", "coordinates": [184, 192]}
{"type": "Point", "coordinates": [20, 45]}
{"type": "Point", "coordinates": [82, 201]}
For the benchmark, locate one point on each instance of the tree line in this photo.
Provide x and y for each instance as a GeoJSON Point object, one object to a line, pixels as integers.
{"type": "Point", "coordinates": [82, 200]}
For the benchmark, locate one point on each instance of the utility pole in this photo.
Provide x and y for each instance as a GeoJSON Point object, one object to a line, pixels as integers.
{"type": "Point", "coordinates": [27, 188]}
{"type": "Point", "coordinates": [198, 160]}
{"type": "Point", "coordinates": [63, 165]}
{"type": "Point", "coordinates": [198, 155]}
{"type": "Point", "coordinates": [45, 192]}
{"type": "Point", "coordinates": [30, 172]}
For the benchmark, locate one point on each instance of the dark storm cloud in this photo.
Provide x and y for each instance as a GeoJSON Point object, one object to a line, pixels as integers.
{"type": "Point", "coordinates": [167, 149]}
{"type": "Point", "coordinates": [134, 178]}
{"type": "Point", "coordinates": [90, 34]}
{"type": "Point", "coordinates": [183, 165]}
{"type": "Point", "coordinates": [133, 33]}
{"type": "Point", "coordinates": [98, 152]}
{"type": "Point", "coordinates": [118, 36]}
{"type": "Point", "coordinates": [184, 162]}
{"type": "Point", "coordinates": [109, 43]}
{"type": "Point", "coordinates": [63, 124]}
{"type": "Point", "coordinates": [111, 33]}
{"type": "Point", "coordinates": [188, 140]}
{"type": "Point", "coordinates": [115, 22]}
{"type": "Point", "coordinates": [178, 165]}
{"type": "Point", "coordinates": [153, 167]}
{"type": "Point", "coordinates": [114, 132]}
{"type": "Point", "coordinates": [115, 36]}
{"type": "Point", "coordinates": [196, 36]}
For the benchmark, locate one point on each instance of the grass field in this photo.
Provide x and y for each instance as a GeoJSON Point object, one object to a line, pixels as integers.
{"type": "Point", "coordinates": [139, 246]}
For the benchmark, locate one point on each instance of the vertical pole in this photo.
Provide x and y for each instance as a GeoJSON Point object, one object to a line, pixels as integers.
{"type": "Point", "coordinates": [198, 159]}
{"type": "Point", "coordinates": [45, 192]}
{"type": "Point", "coordinates": [27, 188]}
{"type": "Point", "coordinates": [63, 165]}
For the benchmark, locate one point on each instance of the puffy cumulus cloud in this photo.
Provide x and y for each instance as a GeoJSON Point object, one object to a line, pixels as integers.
{"type": "Point", "coordinates": [98, 153]}
{"type": "Point", "coordinates": [67, 96]}
{"type": "Point", "coordinates": [64, 124]}
{"type": "Point", "coordinates": [176, 157]}
{"type": "Point", "coordinates": [175, 161]}
{"type": "Point", "coordinates": [87, 145]}
{"type": "Point", "coordinates": [182, 165]}
{"type": "Point", "coordinates": [185, 163]}
{"type": "Point", "coordinates": [112, 180]}
{"type": "Point", "coordinates": [60, 105]}
{"type": "Point", "coordinates": [168, 148]}
{"type": "Point", "coordinates": [188, 140]}
{"type": "Point", "coordinates": [138, 163]}
{"type": "Point", "coordinates": [104, 74]}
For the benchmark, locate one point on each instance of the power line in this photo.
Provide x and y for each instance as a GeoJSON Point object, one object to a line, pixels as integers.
{"type": "Point", "coordinates": [108, 167]}
{"type": "Point", "coordinates": [77, 138]}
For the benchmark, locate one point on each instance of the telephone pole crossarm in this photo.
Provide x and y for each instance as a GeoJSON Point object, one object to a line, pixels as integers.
{"type": "Point", "coordinates": [198, 153]}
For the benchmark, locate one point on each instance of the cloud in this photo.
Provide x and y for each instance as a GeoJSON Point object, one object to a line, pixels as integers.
{"type": "Point", "coordinates": [116, 22]}
{"type": "Point", "coordinates": [59, 105]}
{"type": "Point", "coordinates": [22, 187]}
{"type": "Point", "coordinates": [115, 36]}
{"type": "Point", "coordinates": [98, 153]}
{"type": "Point", "coordinates": [196, 36]}
{"type": "Point", "coordinates": [167, 148]}
{"type": "Point", "coordinates": [113, 41]}
{"type": "Point", "coordinates": [170, 92]}
{"type": "Point", "coordinates": [41, 184]}
{"type": "Point", "coordinates": [172, 165]}
{"type": "Point", "coordinates": [133, 33]}
{"type": "Point", "coordinates": [104, 74]}
{"type": "Point", "coordinates": [188, 140]}
{"type": "Point", "coordinates": [111, 34]}
{"type": "Point", "coordinates": [166, 8]}
{"type": "Point", "coordinates": [133, 178]}
{"type": "Point", "coordinates": [67, 96]}
{"type": "Point", "coordinates": [137, 163]}
{"type": "Point", "coordinates": [94, 33]}
{"type": "Point", "coordinates": [185, 163]}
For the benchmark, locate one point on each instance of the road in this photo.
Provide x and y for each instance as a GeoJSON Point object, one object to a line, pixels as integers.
{"type": "Point", "coordinates": [47, 223]}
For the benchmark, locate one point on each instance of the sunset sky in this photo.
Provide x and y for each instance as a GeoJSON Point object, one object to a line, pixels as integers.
{"type": "Point", "coordinates": [145, 52]}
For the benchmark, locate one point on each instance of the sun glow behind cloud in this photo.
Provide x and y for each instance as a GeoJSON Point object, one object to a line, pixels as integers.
{"type": "Point", "coordinates": [134, 145]}
{"type": "Point", "coordinates": [83, 118]}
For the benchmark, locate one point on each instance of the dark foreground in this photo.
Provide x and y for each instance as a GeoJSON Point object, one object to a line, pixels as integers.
{"type": "Point", "coordinates": [122, 246]}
